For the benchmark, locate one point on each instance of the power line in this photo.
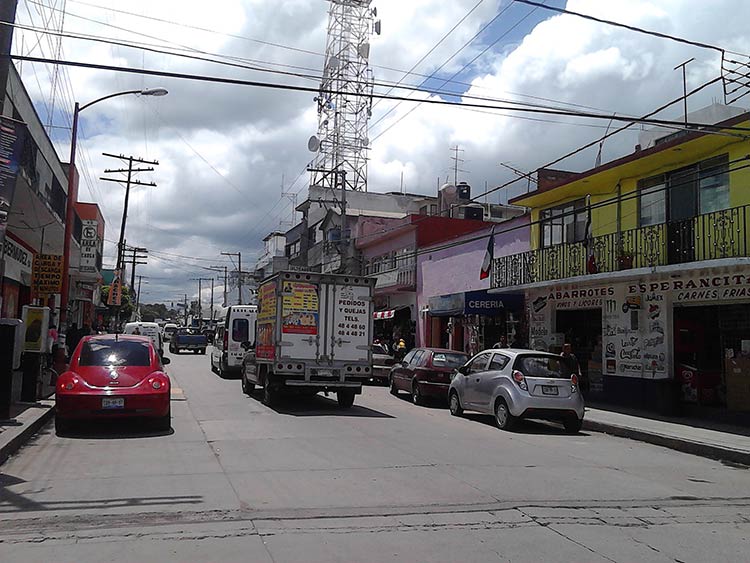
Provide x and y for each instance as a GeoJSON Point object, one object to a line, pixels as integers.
{"type": "Point", "coordinates": [629, 27]}
{"type": "Point", "coordinates": [288, 87]}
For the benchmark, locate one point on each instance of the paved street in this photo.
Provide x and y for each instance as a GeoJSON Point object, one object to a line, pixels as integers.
{"type": "Point", "coordinates": [385, 481]}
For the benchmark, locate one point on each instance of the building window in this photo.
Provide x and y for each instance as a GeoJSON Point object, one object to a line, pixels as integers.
{"type": "Point", "coordinates": [563, 224]}
{"type": "Point", "coordinates": [293, 249]}
{"type": "Point", "coordinates": [714, 184]}
{"type": "Point", "coordinates": [652, 201]}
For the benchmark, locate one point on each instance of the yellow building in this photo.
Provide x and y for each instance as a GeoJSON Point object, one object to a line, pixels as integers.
{"type": "Point", "coordinates": [642, 264]}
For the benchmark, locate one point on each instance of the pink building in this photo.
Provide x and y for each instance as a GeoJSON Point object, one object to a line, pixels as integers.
{"type": "Point", "coordinates": [453, 306]}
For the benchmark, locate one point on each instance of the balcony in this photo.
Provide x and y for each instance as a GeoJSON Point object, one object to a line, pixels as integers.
{"type": "Point", "coordinates": [402, 278]}
{"type": "Point", "coordinates": [711, 236]}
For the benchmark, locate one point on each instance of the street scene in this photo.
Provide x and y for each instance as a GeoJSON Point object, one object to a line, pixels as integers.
{"type": "Point", "coordinates": [359, 280]}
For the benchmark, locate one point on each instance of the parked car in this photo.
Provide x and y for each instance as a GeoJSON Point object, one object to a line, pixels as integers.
{"type": "Point", "coordinates": [512, 384]}
{"type": "Point", "coordinates": [188, 339]}
{"type": "Point", "coordinates": [114, 376]}
{"type": "Point", "coordinates": [382, 362]}
{"type": "Point", "coordinates": [426, 372]}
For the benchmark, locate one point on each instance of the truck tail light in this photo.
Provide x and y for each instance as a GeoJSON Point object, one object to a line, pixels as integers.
{"type": "Point", "coordinates": [519, 378]}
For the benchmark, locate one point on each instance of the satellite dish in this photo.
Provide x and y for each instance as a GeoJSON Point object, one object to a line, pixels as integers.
{"type": "Point", "coordinates": [376, 27]}
{"type": "Point", "coordinates": [313, 144]}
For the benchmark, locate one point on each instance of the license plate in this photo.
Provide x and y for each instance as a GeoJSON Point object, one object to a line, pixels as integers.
{"type": "Point", "coordinates": [325, 373]}
{"type": "Point", "coordinates": [549, 390]}
{"type": "Point", "coordinates": [113, 403]}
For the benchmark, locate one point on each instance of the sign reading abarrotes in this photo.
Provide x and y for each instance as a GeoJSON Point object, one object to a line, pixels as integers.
{"type": "Point", "coordinates": [47, 274]}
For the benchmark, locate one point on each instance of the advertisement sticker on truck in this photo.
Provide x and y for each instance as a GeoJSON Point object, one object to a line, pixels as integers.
{"type": "Point", "coordinates": [300, 308]}
{"type": "Point", "coordinates": [265, 348]}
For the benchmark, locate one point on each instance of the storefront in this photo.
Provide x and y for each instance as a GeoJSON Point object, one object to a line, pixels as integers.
{"type": "Point", "coordinates": [474, 320]}
{"type": "Point", "coordinates": [394, 318]}
{"type": "Point", "coordinates": [16, 282]}
{"type": "Point", "coordinates": [678, 337]}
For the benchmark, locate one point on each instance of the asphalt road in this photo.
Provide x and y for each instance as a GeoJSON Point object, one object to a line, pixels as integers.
{"type": "Point", "coordinates": [384, 481]}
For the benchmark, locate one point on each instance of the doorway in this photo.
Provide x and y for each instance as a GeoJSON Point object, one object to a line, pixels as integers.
{"type": "Point", "coordinates": [583, 330]}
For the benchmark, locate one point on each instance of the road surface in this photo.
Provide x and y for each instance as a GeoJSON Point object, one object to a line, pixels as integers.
{"type": "Point", "coordinates": [384, 481]}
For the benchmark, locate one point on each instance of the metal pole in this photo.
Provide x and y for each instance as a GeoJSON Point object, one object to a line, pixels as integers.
{"type": "Point", "coordinates": [225, 286]}
{"type": "Point", "coordinates": [69, 218]}
{"type": "Point", "coordinates": [212, 299]}
{"type": "Point", "coordinates": [239, 277]}
{"type": "Point", "coordinates": [200, 308]}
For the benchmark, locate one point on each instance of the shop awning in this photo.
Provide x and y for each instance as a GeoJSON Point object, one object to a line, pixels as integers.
{"type": "Point", "coordinates": [380, 315]}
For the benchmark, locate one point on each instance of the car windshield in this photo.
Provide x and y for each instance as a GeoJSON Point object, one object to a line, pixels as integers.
{"type": "Point", "coordinates": [543, 366]}
{"type": "Point", "coordinates": [448, 360]}
{"type": "Point", "coordinates": [115, 353]}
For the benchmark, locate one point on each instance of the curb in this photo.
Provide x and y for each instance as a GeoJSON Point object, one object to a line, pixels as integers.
{"type": "Point", "coordinates": [696, 448]}
{"type": "Point", "coordinates": [26, 433]}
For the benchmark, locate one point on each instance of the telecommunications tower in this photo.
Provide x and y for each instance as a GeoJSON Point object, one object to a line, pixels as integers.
{"type": "Point", "coordinates": [345, 98]}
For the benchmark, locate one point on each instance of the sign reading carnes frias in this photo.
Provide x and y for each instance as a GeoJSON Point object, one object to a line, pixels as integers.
{"type": "Point", "coordinates": [703, 288]}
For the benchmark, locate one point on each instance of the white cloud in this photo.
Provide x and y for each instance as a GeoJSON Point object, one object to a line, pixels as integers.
{"type": "Point", "coordinates": [252, 136]}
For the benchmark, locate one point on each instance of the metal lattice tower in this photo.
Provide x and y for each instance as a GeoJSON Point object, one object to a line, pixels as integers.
{"type": "Point", "coordinates": [345, 98]}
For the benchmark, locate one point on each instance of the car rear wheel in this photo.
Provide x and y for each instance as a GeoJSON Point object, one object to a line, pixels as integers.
{"type": "Point", "coordinates": [164, 423]}
{"type": "Point", "coordinates": [394, 389]}
{"type": "Point", "coordinates": [203, 351]}
{"type": "Point", "coordinates": [62, 426]}
{"type": "Point", "coordinates": [503, 418]}
{"type": "Point", "coordinates": [573, 424]}
{"type": "Point", "coordinates": [416, 396]}
{"type": "Point", "coordinates": [455, 405]}
{"type": "Point", "coordinates": [345, 398]}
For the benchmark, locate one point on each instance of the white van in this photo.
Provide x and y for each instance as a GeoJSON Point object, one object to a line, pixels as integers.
{"type": "Point", "coordinates": [238, 327]}
{"type": "Point", "coordinates": [151, 330]}
{"type": "Point", "coordinates": [169, 330]}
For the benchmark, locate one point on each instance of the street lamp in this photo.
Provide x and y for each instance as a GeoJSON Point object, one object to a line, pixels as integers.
{"type": "Point", "coordinates": [73, 192]}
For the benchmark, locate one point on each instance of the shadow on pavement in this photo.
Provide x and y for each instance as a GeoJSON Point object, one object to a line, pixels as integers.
{"type": "Point", "coordinates": [429, 402]}
{"type": "Point", "coordinates": [527, 426]}
{"type": "Point", "coordinates": [320, 405]}
{"type": "Point", "coordinates": [113, 430]}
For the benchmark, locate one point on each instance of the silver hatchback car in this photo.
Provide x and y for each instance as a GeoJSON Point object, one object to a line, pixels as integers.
{"type": "Point", "coordinates": [512, 384]}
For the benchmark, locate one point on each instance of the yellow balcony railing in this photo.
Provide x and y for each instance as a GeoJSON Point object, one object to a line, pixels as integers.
{"type": "Point", "coordinates": [710, 236]}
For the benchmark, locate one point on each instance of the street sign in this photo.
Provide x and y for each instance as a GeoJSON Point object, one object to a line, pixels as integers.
{"type": "Point", "coordinates": [89, 246]}
{"type": "Point", "coordinates": [115, 290]}
{"type": "Point", "coordinates": [47, 274]}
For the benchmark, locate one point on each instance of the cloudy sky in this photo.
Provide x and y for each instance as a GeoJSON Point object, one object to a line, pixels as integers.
{"type": "Point", "coordinates": [223, 149]}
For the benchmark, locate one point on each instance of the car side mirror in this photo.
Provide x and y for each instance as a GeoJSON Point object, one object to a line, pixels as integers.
{"type": "Point", "coordinates": [404, 363]}
{"type": "Point", "coordinates": [463, 370]}
{"type": "Point", "coordinates": [165, 360]}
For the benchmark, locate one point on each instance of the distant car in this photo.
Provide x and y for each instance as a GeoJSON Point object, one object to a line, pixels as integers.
{"type": "Point", "coordinates": [169, 330]}
{"type": "Point", "coordinates": [382, 362]}
{"type": "Point", "coordinates": [426, 372]}
{"type": "Point", "coordinates": [114, 376]}
{"type": "Point", "coordinates": [151, 330]}
{"type": "Point", "coordinates": [512, 384]}
{"type": "Point", "coordinates": [188, 339]}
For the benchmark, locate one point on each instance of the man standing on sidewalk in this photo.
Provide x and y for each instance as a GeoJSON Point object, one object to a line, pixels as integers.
{"type": "Point", "coordinates": [572, 363]}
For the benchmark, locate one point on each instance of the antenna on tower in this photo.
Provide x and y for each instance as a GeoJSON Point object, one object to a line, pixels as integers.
{"type": "Point", "coordinates": [345, 97]}
{"type": "Point", "coordinates": [457, 161]}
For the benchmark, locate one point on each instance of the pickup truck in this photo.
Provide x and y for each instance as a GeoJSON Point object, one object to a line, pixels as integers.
{"type": "Point", "coordinates": [188, 339]}
{"type": "Point", "coordinates": [313, 333]}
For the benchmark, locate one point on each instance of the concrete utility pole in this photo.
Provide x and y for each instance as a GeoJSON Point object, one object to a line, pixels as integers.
{"type": "Point", "coordinates": [222, 269]}
{"type": "Point", "coordinates": [135, 253]}
{"type": "Point", "coordinates": [239, 273]}
{"type": "Point", "coordinates": [200, 304]}
{"type": "Point", "coordinates": [212, 300]}
{"type": "Point", "coordinates": [186, 310]}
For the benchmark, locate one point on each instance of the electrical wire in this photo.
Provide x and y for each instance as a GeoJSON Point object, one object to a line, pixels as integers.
{"type": "Point", "coordinates": [279, 86]}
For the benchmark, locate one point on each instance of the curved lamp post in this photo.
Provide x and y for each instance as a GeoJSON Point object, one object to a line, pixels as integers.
{"type": "Point", "coordinates": [73, 193]}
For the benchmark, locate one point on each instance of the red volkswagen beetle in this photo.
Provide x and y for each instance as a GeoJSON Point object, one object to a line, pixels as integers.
{"type": "Point", "coordinates": [114, 376]}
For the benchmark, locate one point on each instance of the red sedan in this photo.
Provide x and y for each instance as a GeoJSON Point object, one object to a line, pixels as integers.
{"type": "Point", "coordinates": [114, 376]}
{"type": "Point", "coordinates": [426, 372]}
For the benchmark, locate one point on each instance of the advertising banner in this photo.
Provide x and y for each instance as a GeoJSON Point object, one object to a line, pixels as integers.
{"type": "Point", "coordinates": [47, 274]}
{"type": "Point", "coordinates": [266, 322]}
{"type": "Point", "coordinates": [12, 138]}
{"type": "Point", "coordinates": [36, 321]}
{"type": "Point", "coordinates": [300, 308]}
{"type": "Point", "coordinates": [89, 246]}
{"type": "Point", "coordinates": [115, 290]}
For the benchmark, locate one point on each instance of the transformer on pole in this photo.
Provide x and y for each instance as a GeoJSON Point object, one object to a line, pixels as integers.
{"type": "Point", "coordinates": [345, 98]}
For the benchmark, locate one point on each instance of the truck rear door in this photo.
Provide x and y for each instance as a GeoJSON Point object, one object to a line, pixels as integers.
{"type": "Point", "coordinates": [300, 320]}
{"type": "Point", "coordinates": [350, 322]}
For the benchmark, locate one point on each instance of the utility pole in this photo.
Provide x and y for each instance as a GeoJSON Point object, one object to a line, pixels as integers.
{"type": "Point", "coordinates": [220, 269]}
{"type": "Point", "coordinates": [239, 273]}
{"type": "Point", "coordinates": [186, 310]}
{"type": "Point", "coordinates": [133, 254]}
{"type": "Point", "coordinates": [200, 305]}
{"type": "Point", "coordinates": [212, 300]}
{"type": "Point", "coordinates": [138, 295]}
{"type": "Point", "coordinates": [128, 181]}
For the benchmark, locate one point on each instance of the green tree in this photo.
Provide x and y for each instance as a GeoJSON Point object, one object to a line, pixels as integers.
{"type": "Point", "coordinates": [126, 307]}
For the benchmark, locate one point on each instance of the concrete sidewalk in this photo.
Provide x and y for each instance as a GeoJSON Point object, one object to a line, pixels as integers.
{"type": "Point", "coordinates": [681, 436]}
{"type": "Point", "coordinates": [27, 420]}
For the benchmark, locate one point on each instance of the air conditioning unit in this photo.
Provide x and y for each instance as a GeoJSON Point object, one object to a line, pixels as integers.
{"type": "Point", "coordinates": [464, 191]}
{"type": "Point", "coordinates": [475, 212]}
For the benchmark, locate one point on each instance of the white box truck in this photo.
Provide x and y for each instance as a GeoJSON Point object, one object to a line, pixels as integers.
{"type": "Point", "coordinates": [313, 333]}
